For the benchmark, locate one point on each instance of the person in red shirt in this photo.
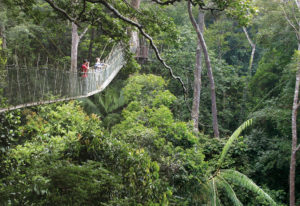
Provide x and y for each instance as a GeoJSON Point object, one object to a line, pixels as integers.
{"type": "Point", "coordinates": [85, 68]}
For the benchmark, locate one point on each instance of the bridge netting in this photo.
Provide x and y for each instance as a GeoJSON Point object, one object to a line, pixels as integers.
{"type": "Point", "coordinates": [21, 87]}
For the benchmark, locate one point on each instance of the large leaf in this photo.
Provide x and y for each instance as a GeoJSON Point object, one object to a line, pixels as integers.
{"type": "Point", "coordinates": [225, 186]}
{"type": "Point", "coordinates": [234, 136]}
{"type": "Point", "coordinates": [90, 106]}
{"type": "Point", "coordinates": [110, 100]}
{"type": "Point", "coordinates": [243, 181]}
{"type": "Point", "coordinates": [215, 201]}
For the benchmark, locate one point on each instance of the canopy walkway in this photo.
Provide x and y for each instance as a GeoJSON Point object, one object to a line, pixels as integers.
{"type": "Point", "coordinates": [28, 87]}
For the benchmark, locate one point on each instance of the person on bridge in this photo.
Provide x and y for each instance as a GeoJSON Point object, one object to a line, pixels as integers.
{"type": "Point", "coordinates": [85, 68]}
{"type": "Point", "coordinates": [99, 65]}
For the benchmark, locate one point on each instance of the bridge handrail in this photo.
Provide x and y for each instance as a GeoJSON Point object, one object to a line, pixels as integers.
{"type": "Point", "coordinates": [30, 87]}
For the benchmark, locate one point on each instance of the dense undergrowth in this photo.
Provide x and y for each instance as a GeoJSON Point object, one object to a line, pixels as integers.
{"type": "Point", "coordinates": [59, 155]}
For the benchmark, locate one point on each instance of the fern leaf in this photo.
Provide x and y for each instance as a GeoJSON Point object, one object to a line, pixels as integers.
{"type": "Point", "coordinates": [234, 136]}
{"type": "Point", "coordinates": [243, 181]}
{"type": "Point", "coordinates": [222, 183]}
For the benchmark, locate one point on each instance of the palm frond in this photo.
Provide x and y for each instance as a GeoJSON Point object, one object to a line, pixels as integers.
{"type": "Point", "coordinates": [204, 189]}
{"type": "Point", "coordinates": [102, 103]}
{"type": "Point", "coordinates": [110, 100]}
{"type": "Point", "coordinates": [89, 106]}
{"type": "Point", "coordinates": [243, 181]}
{"type": "Point", "coordinates": [234, 136]}
{"type": "Point", "coordinates": [225, 186]}
{"type": "Point", "coordinates": [215, 201]}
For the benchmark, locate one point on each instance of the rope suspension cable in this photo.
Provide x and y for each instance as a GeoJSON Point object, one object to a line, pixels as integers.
{"type": "Point", "coordinates": [44, 89]}
{"type": "Point", "coordinates": [47, 86]}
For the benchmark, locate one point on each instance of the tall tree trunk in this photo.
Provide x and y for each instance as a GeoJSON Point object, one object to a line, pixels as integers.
{"type": "Point", "coordinates": [294, 136]}
{"type": "Point", "coordinates": [74, 53]}
{"type": "Point", "coordinates": [209, 71]}
{"type": "Point", "coordinates": [249, 74]}
{"type": "Point", "coordinates": [74, 48]}
{"type": "Point", "coordinates": [134, 36]}
{"type": "Point", "coordinates": [253, 46]}
{"type": "Point", "coordinates": [91, 44]}
{"type": "Point", "coordinates": [135, 4]}
{"type": "Point", "coordinates": [197, 77]}
{"type": "Point", "coordinates": [294, 122]}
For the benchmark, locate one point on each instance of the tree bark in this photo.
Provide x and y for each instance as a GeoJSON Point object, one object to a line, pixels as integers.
{"type": "Point", "coordinates": [135, 4]}
{"type": "Point", "coordinates": [209, 71]}
{"type": "Point", "coordinates": [253, 46]}
{"type": "Point", "coordinates": [197, 78]}
{"type": "Point", "coordinates": [74, 48]}
{"type": "Point", "coordinates": [248, 76]}
{"type": "Point", "coordinates": [134, 36]}
{"type": "Point", "coordinates": [294, 122]}
{"type": "Point", "coordinates": [294, 137]}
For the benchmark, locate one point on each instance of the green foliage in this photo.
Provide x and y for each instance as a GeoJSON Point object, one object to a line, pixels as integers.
{"type": "Point", "coordinates": [57, 155]}
{"type": "Point", "coordinates": [223, 178]}
{"type": "Point", "coordinates": [266, 76]}
{"type": "Point", "coordinates": [3, 59]}
{"type": "Point", "coordinates": [107, 104]}
{"type": "Point", "coordinates": [68, 161]}
{"type": "Point", "coordinates": [10, 134]}
{"type": "Point", "coordinates": [149, 158]}
{"type": "Point", "coordinates": [3, 74]}
{"type": "Point", "coordinates": [243, 181]}
{"type": "Point", "coordinates": [242, 10]}
{"type": "Point", "coordinates": [225, 186]}
{"type": "Point", "coordinates": [234, 136]}
{"type": "Point", "coordinates": [139, 87]}
{"type": "Point", "coordinates": [148, 124]}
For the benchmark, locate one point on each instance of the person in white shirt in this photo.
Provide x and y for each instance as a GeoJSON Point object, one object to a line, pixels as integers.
{"type": "Point", "coordinates": [99, 65]}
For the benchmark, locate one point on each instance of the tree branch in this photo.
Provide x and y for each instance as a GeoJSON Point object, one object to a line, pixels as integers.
{"type": "Point", "coordinates": [247, 35]}
{"type": "Point", "coordinates": [201, 5]}
{"type": "Point", "coordinates": [297, 148]}
{"type": "Point", "coordinates": [210, 8]}
{"type": "Point", "coordinates": [297, 3]}
{"type": "Point", "coordinates": [133, 23]}
{"type": "Point", "coordinates": [54, 6]}
{"type": "Point", "coordinates": [137, 25]}
{"type": "Point", "coordinates": [295, 10]}
{"type": "Point", "coordinates": [83, 33]}
{"type": "Point", "coordinates": [165, 2]}
{"type": "Point", "coordinates": [84, 7]}
{"type": "Point", "coordinates": [130, 6]}
{"type": "Point", "coordinates": [289, 21]}
{"type": "Point", "coordinates": [252, 52]}
{"type": "Point", "coordinates": [127, 3]}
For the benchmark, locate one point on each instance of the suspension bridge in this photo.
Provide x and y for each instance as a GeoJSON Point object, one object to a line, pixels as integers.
{"type": "Point", "coordinates": [21, 87]}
